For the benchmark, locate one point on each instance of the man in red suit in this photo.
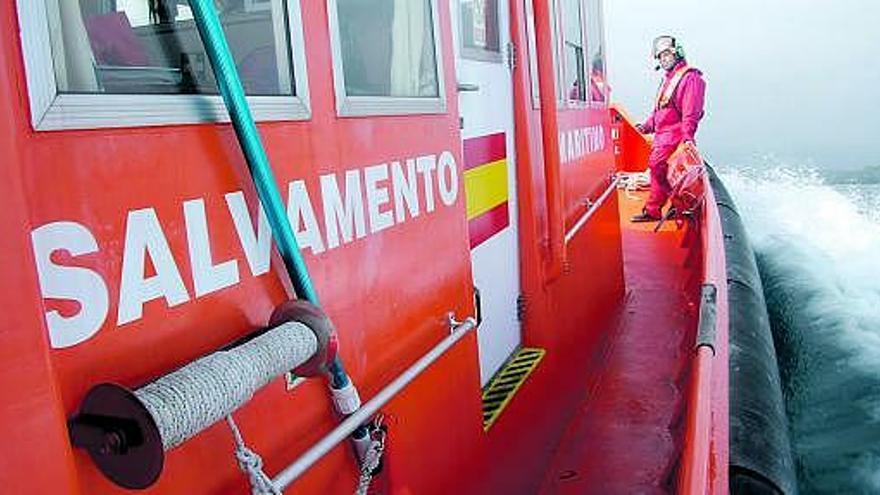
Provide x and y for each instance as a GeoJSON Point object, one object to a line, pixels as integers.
{"type": "Point", "coordinates": [677, 113]}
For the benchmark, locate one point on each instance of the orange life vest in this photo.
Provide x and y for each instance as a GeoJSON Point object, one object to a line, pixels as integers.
{"type": "Point", "coordinates": [667, 91]}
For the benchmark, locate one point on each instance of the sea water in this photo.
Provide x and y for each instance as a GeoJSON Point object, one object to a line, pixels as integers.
{"type": "Point", "coordinates": [818, 251]}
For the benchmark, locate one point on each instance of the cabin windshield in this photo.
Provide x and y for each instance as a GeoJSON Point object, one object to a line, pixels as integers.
{"type": "Point", "coordinates": [153, 46]}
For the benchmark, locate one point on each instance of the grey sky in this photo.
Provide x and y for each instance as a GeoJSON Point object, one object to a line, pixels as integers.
{"type": "Point", "coordinates": [798, 79]}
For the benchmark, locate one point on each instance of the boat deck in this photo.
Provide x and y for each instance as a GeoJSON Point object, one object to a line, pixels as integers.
{"type": "Point", "coordinates": [624, 437]}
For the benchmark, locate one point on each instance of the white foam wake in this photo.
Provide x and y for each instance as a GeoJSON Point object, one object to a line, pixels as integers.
{"type": "Point", "coordinates": [818, 249]}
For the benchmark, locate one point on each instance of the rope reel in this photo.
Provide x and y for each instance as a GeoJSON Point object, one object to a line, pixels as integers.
{"type": "Point", "coordinates": [127, 433]}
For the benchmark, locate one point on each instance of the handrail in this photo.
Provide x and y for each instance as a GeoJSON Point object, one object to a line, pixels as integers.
{"type": "Point", "coordinates": [591, 211]}
{"type": "Point", "coordinates": [293, 471]}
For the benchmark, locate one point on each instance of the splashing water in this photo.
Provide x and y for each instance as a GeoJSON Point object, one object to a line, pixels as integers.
{"type": "Point", "coordinates": [818, 251]}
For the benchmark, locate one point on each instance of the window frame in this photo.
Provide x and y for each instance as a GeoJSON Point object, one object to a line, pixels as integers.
{"type": "Point", "coordinates": [363, 106]}
{"type": "Point", "coordinates": [53, 110]}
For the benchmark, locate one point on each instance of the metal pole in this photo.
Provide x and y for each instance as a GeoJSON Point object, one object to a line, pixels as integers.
{"type": "Point", "coordinates": [544, 20]}
{"type": "Point", "coordinates": [326, 444]}
{"type": "Point", "coordinates": [592, 211]}
{"type": "Point", "coordinates": [232, 91]}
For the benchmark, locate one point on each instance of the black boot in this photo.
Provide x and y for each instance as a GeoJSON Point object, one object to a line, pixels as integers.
{"type": "Point", "coordinates": [643, 217]}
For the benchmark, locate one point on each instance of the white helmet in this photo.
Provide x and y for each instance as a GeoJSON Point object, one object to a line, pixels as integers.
{"type": "Point", "coordinates": [666, 42]}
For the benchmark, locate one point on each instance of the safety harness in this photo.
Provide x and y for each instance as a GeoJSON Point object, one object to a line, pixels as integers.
{"type": "Point", "coordinates": [667, 91]}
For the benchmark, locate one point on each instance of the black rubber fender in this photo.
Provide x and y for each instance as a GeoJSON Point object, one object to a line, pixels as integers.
{"type": "Point", "coordinates": [760, 449]}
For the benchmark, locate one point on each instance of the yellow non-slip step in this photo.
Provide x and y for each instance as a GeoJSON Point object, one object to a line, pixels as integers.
{"type": "Point", "coordinates": [504, 385]}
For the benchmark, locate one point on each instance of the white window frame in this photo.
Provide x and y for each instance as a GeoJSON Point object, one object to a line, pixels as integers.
{"type": "Point", "coordinates": [361, 106]}
{"type": "Point", "coordinates": [51, 110]}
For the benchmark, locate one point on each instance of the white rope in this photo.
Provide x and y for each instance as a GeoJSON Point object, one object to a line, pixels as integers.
{"type": "Point", "coordinates": [187, 401]}
{"type": "Point", "coordinates": [371, 462]}
{"type": "Point", "coordinates": [631, 182]}
{"type": "Point", "coordinates": [251, 463]}
{"type": "Point", "coordinates": [372, 457]}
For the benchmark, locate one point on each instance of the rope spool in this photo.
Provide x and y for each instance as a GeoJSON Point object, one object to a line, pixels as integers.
{"type": "Point", "coordinates": [127, 432]}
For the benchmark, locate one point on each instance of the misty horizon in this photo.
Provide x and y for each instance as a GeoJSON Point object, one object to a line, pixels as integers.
{"type": "Point", "coordinates": [789, 81]}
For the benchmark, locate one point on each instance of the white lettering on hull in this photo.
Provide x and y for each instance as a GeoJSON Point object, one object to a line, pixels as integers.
{"type": "Point", "coordinates": [406, 190]}
{"type": "Point", "coordinates": [84, 286]}
{"type": "Point", "coordinates": [302, 217]}
{"type": "Point", "coordinates": [578, 143]}
{"type": "Point", "coordinates": [257, 246]}
{"type": "Point", "coordinates": [384, 195]}
{"type": "Point", "coordinates": [343, 214]}
{"type": "Point", "coordinates": [207, 277]}
{"type": "Point", "coordinates": [144, 237]}
{"type": "Point", "coordinates": [377, 196]}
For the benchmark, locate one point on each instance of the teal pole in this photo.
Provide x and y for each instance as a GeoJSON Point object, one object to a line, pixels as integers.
{"type": "Point", "coordinates": [232, 91]}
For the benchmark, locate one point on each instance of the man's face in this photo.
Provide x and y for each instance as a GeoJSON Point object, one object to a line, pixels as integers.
{"type": "Point", "coordinates": [667, 59]}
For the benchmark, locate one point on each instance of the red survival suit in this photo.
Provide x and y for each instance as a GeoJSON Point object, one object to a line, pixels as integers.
{"type": "Point", "coordinates": [677, 112]}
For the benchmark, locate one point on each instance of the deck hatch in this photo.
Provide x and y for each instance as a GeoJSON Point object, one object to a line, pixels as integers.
{"type": "Point", "coordinates": [504, 385]}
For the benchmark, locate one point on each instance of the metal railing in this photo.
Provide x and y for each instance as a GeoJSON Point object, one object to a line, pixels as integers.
{"type": "Point", "coordinates": [289, 474]}
{"type": "Point", "coordinates": [594, 207]}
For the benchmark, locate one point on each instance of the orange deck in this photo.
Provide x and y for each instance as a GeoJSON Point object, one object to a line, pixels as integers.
{"type": "Point", "coordinates": [625, 435]}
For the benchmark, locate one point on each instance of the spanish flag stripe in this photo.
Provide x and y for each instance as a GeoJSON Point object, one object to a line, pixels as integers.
{"type": "Point", "coordinates": [485, 187]}
{"type": "Point", "coordinates": [488, 224]}
{"type": "Point", "coordinates": [484, 149]}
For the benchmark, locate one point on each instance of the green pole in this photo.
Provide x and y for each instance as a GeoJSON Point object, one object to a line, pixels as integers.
{"type": "Point", "coordinates": [232, 91]}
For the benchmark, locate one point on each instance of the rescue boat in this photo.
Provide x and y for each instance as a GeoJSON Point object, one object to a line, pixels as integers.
{"type": "Point", "coordinates": [337, 246]}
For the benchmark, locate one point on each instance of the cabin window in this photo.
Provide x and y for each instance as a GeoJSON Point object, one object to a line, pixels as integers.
{"type": "Point", "coordinates": [574, 50]}
{"type": "Point", "coordinates": [533, 53]}
{"type": "Point", "coordinates": [386, 57]}
{"type": "Point", "coordinates": [598, 89]}
{"type": "Point", "coordinates": [479, 30]}
{"type": "Point", "coordinates": [141, 62]}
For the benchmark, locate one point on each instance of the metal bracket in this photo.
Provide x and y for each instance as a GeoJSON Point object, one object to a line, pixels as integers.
{"type": "Point", "coordinates": [708, 315]}
{"type": "Point", "coordinates": [454, 323]}
{"type": "Point", "coordinates": [510, 55]}
{"type": "Point", "coordinates": [521, 307]}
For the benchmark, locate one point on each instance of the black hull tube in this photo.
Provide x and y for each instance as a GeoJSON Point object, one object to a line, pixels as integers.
{"type": "Point", "coordinates": [760, 450]}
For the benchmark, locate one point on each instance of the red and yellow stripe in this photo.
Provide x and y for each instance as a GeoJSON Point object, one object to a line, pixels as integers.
{"type": "Point", "coordinates": [485, 185]}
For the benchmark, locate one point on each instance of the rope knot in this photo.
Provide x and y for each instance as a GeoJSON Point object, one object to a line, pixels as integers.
{"type": "Point", "coordinates": [248, 460]}
{"type": "Point", "coordinates": [251, 463]}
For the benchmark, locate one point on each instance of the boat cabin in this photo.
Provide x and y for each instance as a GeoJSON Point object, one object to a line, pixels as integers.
{"type": "Point", "coordinates": [435, 161]}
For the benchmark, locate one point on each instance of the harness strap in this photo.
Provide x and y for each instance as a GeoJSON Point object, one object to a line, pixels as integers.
{"type": "Point", "coordinates": [667, 91]}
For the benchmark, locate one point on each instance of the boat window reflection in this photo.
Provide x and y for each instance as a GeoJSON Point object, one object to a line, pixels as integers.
{"type": "Point", "coordinates": [479, 25]}
{"type": "Point", "coordinates": [596, 51]}
{"type": "Point", "coordinates": [387, 48]}
{"type": "Point", "coordinates": [153, 46]}
{"type": "Point", "coordinates": [573, 50]}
